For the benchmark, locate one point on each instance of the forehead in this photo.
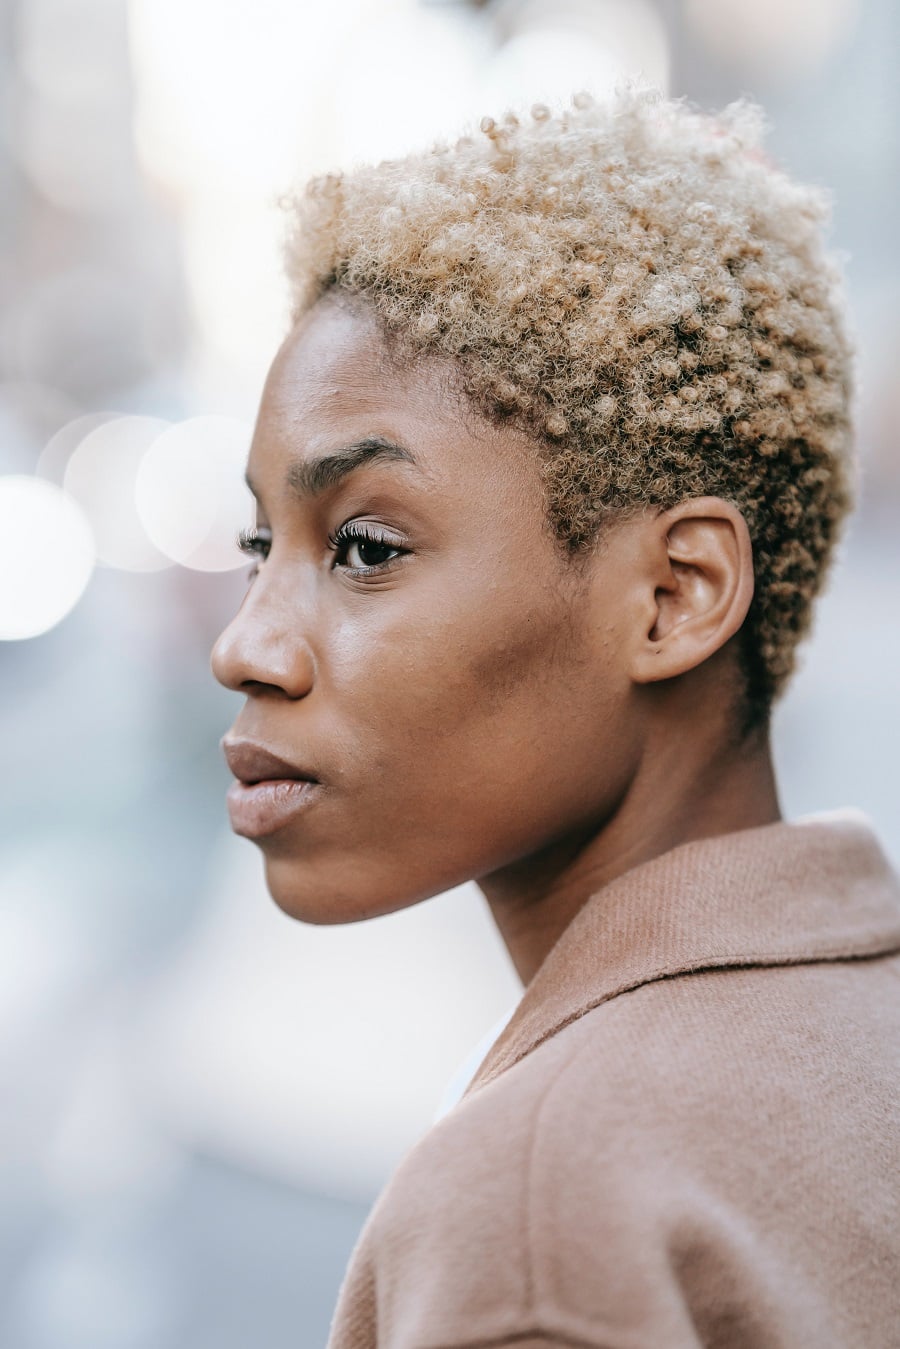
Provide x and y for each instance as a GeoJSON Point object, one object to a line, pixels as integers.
{"type": "Point", "coordinates": [335, 355]}
{"type": "Point", "coordinates": [336, 381]}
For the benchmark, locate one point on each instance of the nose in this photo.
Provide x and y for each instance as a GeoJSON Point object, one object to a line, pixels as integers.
{"type": "Point", "coordinates": [264, 647]}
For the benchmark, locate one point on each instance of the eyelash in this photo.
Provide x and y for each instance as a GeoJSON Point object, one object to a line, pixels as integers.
{"type": "Point", "coordinates": [252, 542]}
{"type": "Point", "coordinates": [258, 545]}
{"type": "Point", "coordinates": [355, 532]}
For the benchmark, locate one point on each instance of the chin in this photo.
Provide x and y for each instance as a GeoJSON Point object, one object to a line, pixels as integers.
{"type": "Point", "coordinates": [325, 896]}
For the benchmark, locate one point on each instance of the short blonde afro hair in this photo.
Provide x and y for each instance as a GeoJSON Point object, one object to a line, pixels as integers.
{"type": "Point", "coordinates": [635, 285]}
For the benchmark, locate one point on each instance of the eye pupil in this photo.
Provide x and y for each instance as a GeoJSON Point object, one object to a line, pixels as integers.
{"type": "Point", "coordinates": [371, 553]}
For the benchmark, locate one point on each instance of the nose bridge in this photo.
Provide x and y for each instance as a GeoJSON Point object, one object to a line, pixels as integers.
{"type": "Point", "coordinates": [270, 639]}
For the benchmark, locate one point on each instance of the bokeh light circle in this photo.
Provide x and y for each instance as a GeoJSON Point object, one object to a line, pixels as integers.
{"type": "Point", "coordinates": [190, 492]}
{"type": "Point", "coordinates": [58, 450]}
{"type": "Point", "coordinates": [49, 558]}
{"type": "Point", "coordinates": [100, 476]}
{"type": "Point", "coordinates": [550, 50]}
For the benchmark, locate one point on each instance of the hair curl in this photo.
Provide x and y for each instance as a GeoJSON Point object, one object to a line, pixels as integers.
{"type": "Point", "coordinates": [637, 286]}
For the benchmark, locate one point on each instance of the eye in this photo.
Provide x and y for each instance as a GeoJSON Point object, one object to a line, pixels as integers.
{"type": "Point", "coordinates": [364, 548]}
{"type": "Point", "coordinates": [367, 553]}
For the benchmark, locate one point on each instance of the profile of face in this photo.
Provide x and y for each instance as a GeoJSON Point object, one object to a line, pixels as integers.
{"type": "Point", "coordinates": [434, 692]}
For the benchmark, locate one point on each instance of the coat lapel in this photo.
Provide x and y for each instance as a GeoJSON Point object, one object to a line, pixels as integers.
{"type": "Point", "coordinates": [815, 889]}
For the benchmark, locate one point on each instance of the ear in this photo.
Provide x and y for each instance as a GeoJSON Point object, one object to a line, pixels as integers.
{"type": "Point", "coordinates": [700, 569]}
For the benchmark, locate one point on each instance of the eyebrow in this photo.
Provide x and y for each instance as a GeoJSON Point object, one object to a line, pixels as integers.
{"type": "Point", "coordinates": [312, 477]}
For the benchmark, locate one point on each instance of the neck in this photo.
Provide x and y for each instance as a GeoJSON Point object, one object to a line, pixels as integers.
{"type": "Point", "coordinates": [681, 792]}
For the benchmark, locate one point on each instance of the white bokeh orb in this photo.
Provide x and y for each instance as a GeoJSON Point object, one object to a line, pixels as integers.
{"type": "Point", "coordinates": [100, 476]}
{"type": "Point", "coordinates": [50, 555]}
{"type": "Point", "coordinates": [58, 450]}
{"type": "Point", "coordinates": [552, 49]}
{"type": "Point", "coordinates": [191, 495]}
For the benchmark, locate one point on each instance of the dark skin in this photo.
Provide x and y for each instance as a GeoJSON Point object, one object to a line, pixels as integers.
{"type": "Point", "coordinates": [471, 702]}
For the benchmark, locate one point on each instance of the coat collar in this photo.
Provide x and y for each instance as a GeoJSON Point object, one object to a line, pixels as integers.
{"type": "Point", "coordinates": [816, 889]}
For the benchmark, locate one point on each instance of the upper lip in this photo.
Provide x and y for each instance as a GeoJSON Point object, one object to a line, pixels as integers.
{"type": "Point", "coordinates": [253, 763]}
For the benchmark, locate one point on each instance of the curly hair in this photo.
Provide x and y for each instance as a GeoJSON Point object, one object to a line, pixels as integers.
{"type": "Point", "coordinates": [638, 287]}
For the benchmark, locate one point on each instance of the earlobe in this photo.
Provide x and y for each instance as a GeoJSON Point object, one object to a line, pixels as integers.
{"type": "Point", "coordinates": [701, 572]}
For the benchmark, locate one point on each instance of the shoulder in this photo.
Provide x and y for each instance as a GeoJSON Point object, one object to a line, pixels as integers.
{"type": "Point", "coordinates": [540, 1201]}
{"type": "Point", "coordinates": [645, 1167]}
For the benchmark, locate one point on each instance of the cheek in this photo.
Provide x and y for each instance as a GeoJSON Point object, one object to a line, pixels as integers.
{"type": "Point", "coordinates": [530, 660]}
{"type": "Point", "coordinates": [461, 740]}
{"type": "Point", "coordinates": [470, 677]}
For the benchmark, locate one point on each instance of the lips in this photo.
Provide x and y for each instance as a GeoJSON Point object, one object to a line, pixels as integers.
{"type": "Point", "coordinates": [251, 763]}
{"type": "Point", "coordinates": [270, 792]}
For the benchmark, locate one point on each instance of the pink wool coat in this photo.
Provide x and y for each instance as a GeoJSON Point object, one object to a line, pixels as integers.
{"type": "Point", "coordinates": [689, 1132]}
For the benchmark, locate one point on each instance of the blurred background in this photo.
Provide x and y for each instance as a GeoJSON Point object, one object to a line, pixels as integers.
{"type": "Point", "coordinates": [201, 1098]}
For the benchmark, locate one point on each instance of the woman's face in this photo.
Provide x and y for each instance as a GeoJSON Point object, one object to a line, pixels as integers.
{"type": "Point", "coordinates": [433, 692]}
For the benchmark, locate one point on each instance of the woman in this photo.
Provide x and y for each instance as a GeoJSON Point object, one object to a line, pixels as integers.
{"type": "Point", "coordinates": [548, 473]}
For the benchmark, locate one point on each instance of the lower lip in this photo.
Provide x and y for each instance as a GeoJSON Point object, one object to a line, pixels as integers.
{"type": "Point", "coordinates": [260, 808]}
